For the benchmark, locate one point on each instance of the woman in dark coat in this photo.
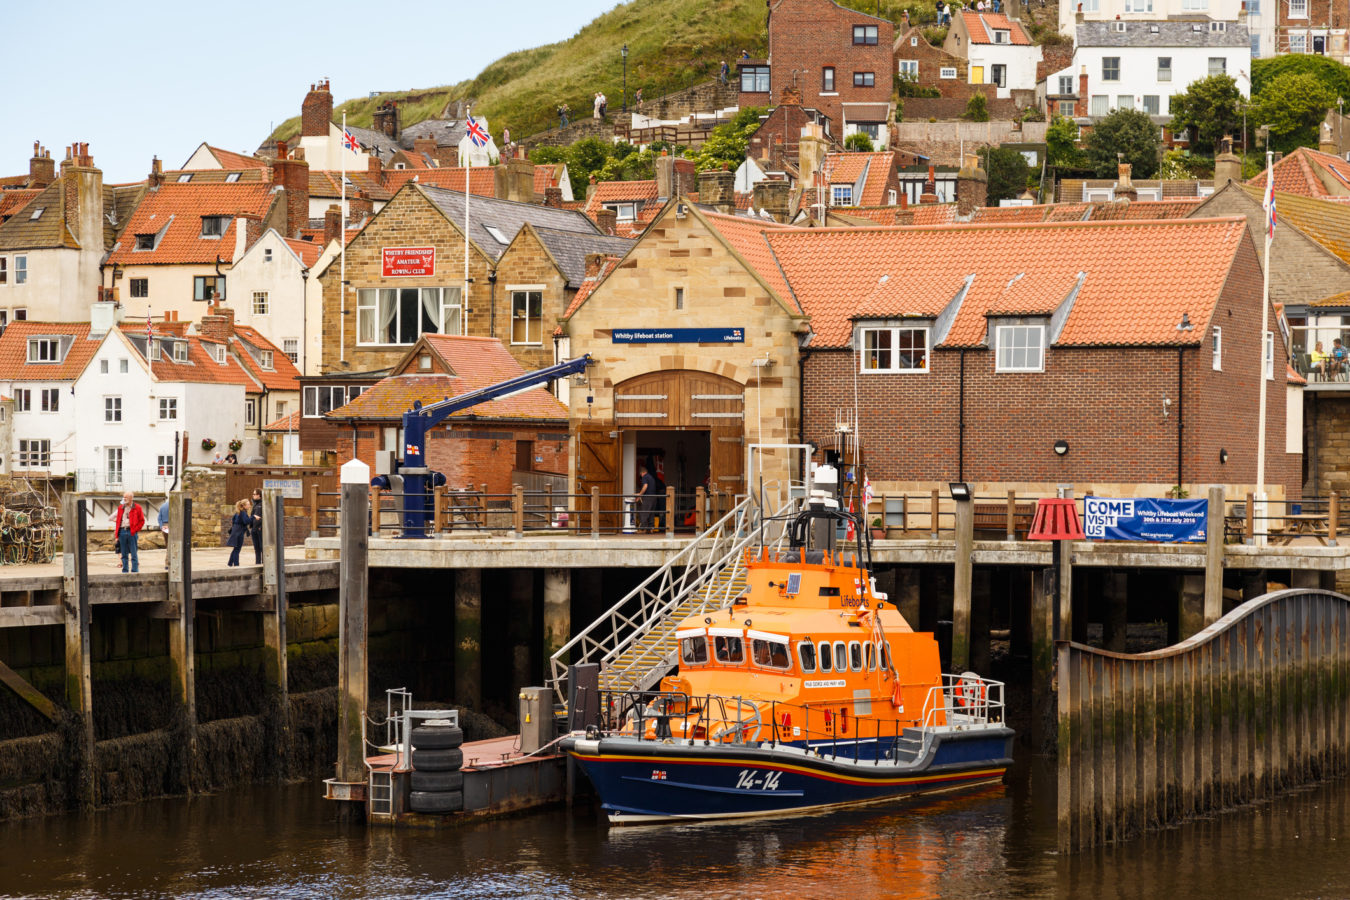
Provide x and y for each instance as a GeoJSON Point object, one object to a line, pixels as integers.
{"type": "Point", "coordinates": [238, 530]}
{"type": "Point", "coordinates": [257, 514]}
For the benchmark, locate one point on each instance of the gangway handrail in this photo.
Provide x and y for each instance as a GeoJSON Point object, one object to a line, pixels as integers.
{"type": "Point", "coordinates": [699, 562]}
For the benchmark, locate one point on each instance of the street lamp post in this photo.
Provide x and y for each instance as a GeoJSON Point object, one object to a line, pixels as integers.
{"type": "Point", "coordinates": [624, 53]}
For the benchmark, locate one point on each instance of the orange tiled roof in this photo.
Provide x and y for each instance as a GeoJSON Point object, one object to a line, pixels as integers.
{"type": "Point", "coordinates": [547, 176]}
{"type": "Point", "coordinates": [1293, 377]}
{"type": "Point", "coordinates": [933, 214]}
{"type": "Point", "coordinates": [230, 160]}
{"type": "Point", "coordinates": [283, 376]}
{"type": "Point", "coordinates": [590, 283]}
{"type": "Point", "coordinates": [1297, 173]}
{"type": "Point", "coordinates": [308, 251]}
{"type": "Point", "coordinates": [177, 210]}
{"type": "Point", "coordinates": [285, 423]}
{"type": "Point", "coordinates": [14, 200]}
{"type": "Point", "coordinates": [482, 181]}
{"type": "Point", "coordinates": [747, 237]}
{"type": "Point", "coordinates": [328, 185]}
{"type": "Point", "coordinates": [983, 25]}
{"type": "Point", "coordinates": [1017, 268]}
{"type": "Point", "coordinates": [477, 362]}
{"type": "Point", "coordinates": [881, 215]}
{"type": "Point", "coordinates": [14, 365]}
{"type": "Point", "coordinates": [621, 192]}
{"type": "Point", "coordinates": [201, 366]}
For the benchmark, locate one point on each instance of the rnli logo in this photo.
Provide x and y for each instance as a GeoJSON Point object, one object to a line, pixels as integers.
{"type": "Point", "coordinates": [658, 774]}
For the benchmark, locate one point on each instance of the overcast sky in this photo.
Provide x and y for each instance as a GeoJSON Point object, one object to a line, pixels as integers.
{"type": "Point", "coordinates": [140, 79]}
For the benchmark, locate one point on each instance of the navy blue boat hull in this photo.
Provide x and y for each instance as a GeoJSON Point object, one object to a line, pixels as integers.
{"type": "Point", "coordinates": [645, 781]}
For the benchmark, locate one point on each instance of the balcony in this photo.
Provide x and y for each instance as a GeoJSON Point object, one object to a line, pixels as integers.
{"type": "Point", "coordinates": [1316, 355]}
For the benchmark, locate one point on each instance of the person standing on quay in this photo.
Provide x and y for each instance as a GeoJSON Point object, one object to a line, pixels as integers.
{"type": "Point", "coordinates": [255, 526]}
{"type": "Point", "coordinates": [164, 527]}
{"type": "Point", "coordinates": [128, 520]}
{"type": "Point", "coordinates": [238, 528]}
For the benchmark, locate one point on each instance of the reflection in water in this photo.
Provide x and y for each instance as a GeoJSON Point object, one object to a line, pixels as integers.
{"type": "Point", "coordinates": [997, 842]}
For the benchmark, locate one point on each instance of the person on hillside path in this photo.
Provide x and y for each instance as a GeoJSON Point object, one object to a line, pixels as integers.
{"type": "Point", "coordinates": [128, 520]}
{"type": "Point", "coordinates": [637, 100]}
{"type": "Point", "coordinates": [563, 111]}
{"type": "Point", "coordinates": [726, 70]}
{"type": "Point", "coordinates": [596, 103]}
{"type": "Point", "coordinates": [604, 106]}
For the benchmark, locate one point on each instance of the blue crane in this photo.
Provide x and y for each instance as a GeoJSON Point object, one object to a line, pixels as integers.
{"type": "Point", "coordinates": [419, 420]}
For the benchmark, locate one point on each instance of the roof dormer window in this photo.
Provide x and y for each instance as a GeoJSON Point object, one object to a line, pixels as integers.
{"type": "Point", "coordinates": [185, 178]}
{"type": "Point", "coordinates": [145, 242]}
{"type": "Point", "coordinates": [214, 226]}
{"type": "Point", "coordinates": [180, 351]}
{"type": "Point", "coordinates": [265, 359]}
{"type": "Point", "coordinates": [220, 353]}
{"type": "Point", "coordinates": [44, 350]}
{"type": "Point", "coordinates": [232, 178]}
{"type": "Point", "coordinates": [1002, 36]}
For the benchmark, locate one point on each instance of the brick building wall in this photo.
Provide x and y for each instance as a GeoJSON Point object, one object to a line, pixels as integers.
{"type": "Point", "coordinates": [1107, 403]}
{"type": "Point", "coordinates": [471, 455]}
{"type": "Point", "coordinates": [805, 36]}
{"type": "Point", "coordinates": [912, 47]}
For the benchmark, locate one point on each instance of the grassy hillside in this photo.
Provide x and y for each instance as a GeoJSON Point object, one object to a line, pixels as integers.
{"type": "Point", "coordinates": [672, 44]}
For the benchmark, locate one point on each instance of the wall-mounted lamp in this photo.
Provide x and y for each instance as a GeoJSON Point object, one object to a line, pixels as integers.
{"type": "Point", "coordinates": [960, 490]}
{"type": "Point", "coordinates": [1061, 448]}
{"type": "Point", "coordinates": [1223, 457]}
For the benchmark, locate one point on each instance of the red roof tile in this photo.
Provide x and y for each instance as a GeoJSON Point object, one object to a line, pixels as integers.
{"type": "Point", "coordinates": [837, 272]}
{"type": "Point", "coordinates": [747, 237]}
{"type": "Point", "coordinates": [230, 160]}
{"type": "Point", "coordinates": [308, 251]}
{"type": "Point", "coordinates": [621, 192]}
{"type": "Point", "coordinates": [590, 283]}
{"type": "Point", "coordinates": [482, 180]}
{"type": "Point", "coordinates": [477, 362]}
{"type": "Point", "coordinates": [201, 366]}
{"type": "Point", "coordinates": [177, 210]}
{"type": "Point", "coordinates": [14, 200]}
{"type": "Point", "coordinates": [285, 423]}
{"type": "Point", "coordinates": [983, 25]}
{"type": "Point", "coordinates": [14, 365]}
{"type": "Point", "coordinates": [933, 214]}
{"type": "Point", "coordinates": [283, 376]}
{"type": "Point", "coordinates": [547, 176]}
{"type": "Point", "coordinates": [1297, 173]}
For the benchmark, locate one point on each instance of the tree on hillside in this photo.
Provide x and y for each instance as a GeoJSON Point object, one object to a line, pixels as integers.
{"type": "Point", "coordinates": [1211, 108]}
{"type": "Point", "coordinates": [1007, 171]}
{"type": "Point", "coordinates": [1126, 135]}
{"type": "Point", "coordinates": [1061, 141]}
{"type": "Point", "coordinates": [1293, 105]}
{"type": "Point", "coordinates": [1332, 75]}
{"type": "Point", "coordinates": [727, 143]}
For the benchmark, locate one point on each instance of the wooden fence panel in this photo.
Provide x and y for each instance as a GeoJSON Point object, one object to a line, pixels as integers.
{"type": "Point", "coordinates": [1251, 705]}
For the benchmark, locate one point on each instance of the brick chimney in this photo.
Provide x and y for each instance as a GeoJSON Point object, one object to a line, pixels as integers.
{"type": "Point", "coordinates": [247, 229]}
{"type": "Point", "coordinates": [332, 224]}
{"type": "Point", "coordinates": [790, 96]}
{"type": "Point", "coordinates": [424, 146]}
{"type": "Point", "coordinates": [929, 194]}
{"type": "Point", "coordinates": [1080, 106]}
{"type": "Point", "coordinates": [1125, 189]}
{"type": "Point", "coordinates": [811, 150]}
{"type": "Point", "coordinates": [316, 113]}
{"type": "Point", "coordinates": [293, 176]}
{"type": "Point", "coordinates": [684, 177]}
{"type": "Point", "coordinates": [606, 220]}
{"type": "Point", "coordinates": [386, 119]}
{"type": "Point", "coordinates": [718, 190]}
{"type": "Point", "coordinates": [82, 197]}
{"type": "Point", "coordinates": [553, 197]}
{"type": "Point", "coordinates": [771, 194]}
{"type": "Point", "coordinates": [665, 175]}
{"type": "Point", "coordinates": [972, 186]}
{"type": "Point", "coordinates": [218, 323]}
{"type": "Point", "coordinates": [360, 207]}
{"type": "Point", "coordinates": [41, 168]}
{"type": "Point", "coordinates": [1227, 165]}
{"type": "Point", "coordinates": [375, 167]}
{"type": "Point", "coordinates": [156, 173]}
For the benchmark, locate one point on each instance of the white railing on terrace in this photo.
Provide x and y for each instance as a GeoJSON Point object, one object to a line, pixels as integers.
{"type": "Point", "coordinates": [649, 609]}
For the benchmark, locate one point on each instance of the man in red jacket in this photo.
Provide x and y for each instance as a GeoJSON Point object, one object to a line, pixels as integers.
{"type": "Point", "coordinates": [128, 521]}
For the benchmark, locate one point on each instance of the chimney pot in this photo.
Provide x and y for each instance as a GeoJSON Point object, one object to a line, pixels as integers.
{"type": "Point", "coordinates": [606, 220]}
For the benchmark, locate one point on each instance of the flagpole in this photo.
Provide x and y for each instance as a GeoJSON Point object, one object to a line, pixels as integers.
{"type": "Point", "coordinates": [1265, 325]}
{"type": "Point", "coordinates": [464, 301]}
{"type": "Point", "coordinates": [342, 251]}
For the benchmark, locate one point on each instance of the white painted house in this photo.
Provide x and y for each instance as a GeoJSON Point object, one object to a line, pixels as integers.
{"type": "Point", "coordinates": [997, 49]}
{"type": "Point", "coordinates": [1141, 64]}
{"type": "Point", "coordinates": [39, 365]}
{"type": "Point", "coordinates": [1258, 15]}
{"type": "Point", "coordinates": [268, 291]}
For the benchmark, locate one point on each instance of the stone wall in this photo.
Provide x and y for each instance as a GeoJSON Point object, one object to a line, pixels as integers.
{"type": "Point", "coordinates": [706, 98]}
{"type": "Point", "coordinates": [579, 128]}
{"type": "Point", "coordinates": [210, 510]}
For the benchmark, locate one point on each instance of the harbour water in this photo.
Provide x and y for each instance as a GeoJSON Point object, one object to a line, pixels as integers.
{"type": "Point", "coordinates": [1000, 842]}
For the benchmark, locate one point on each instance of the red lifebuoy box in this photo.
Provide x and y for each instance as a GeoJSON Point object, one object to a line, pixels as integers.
{"type": "Point", "coordinates": [1056, 520]}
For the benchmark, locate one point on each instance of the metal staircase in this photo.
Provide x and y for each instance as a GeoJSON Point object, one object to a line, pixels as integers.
{"type": "Point", "coordinates": [634, 640]}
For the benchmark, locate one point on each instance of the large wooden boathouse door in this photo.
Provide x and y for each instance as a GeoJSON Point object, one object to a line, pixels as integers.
{"type": "Point", "coordinates": [598, 457]}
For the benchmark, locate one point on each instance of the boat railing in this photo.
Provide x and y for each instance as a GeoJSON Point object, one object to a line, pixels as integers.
{"type": "Point", "coordinates": [960, 702]}
{"type": "Point", "coordinates": [840, 728]}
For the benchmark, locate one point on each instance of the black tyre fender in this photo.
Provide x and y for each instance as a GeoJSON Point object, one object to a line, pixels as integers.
{"type": "Point", "coordinates": [437, 737]}
{"type": "Point", "coordinates": [436, 801]}
{"type": "Point", "coordinates": [437, 781]}
{"type": "Point", "coordinates": [437, 760]}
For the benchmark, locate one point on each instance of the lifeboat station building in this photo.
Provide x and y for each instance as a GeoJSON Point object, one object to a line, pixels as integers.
{"type": "Point", "coordinates": [695, 336]}
{"type": "Point", "coordinates": [1119, 357]}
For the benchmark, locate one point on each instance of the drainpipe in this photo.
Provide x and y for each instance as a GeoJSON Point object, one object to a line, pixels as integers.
{"type": "Point", "coordinates": [961, 422]}
{"type": "Point", "coordinates": [802, 354]}
{"type": "Point", "coordinates": [178, 466]}
{"type": "Point", "coordinates": [1181, 406]}
{"type": "Point", "coordinates": [492, 304]}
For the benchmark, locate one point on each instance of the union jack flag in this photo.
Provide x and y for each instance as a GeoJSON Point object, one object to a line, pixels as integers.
{"type": "Point", "coordinates": [476, 132]}
{"type": "Point", "coordinates": [349, 142]}
{"type": "Point", "coordinates": [1269, 203]}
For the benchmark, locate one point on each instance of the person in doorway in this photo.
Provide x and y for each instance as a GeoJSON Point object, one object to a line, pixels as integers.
{"type": "Point", "coordinates": [164, 527]}
{"type": "Point", "coordinates": [238, 530]}
{"type": "Point", "coordinates": [646, 495]}
{"type": "Point", "coordinates": [255, 526]}
{"type": "Point", "coordinates": [128, 520]}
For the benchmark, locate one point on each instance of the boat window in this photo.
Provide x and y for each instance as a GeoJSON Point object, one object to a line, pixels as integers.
{"type": "Point", "coordinates": [886, 655]}
{"type": "Point", "coordinates": [840, 657]}
{"type": "Point", "coordinates": [806, 654]}
{"type": "Point", "coordinates": [729, 649]}
{"type": "Point", "coordinates": [825, 658]}
{"type": "Point", "coordinates": [773, 654]}
{"type": "Point", "coordinates": [855, 661]}
{"type": "Point", "coordinates": [870, 652]}
{"type": "Point", "coordinates": [694, 651]}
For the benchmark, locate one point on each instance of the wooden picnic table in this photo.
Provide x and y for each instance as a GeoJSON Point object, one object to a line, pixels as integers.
{"type": "Point", "coordinates": [1304, 525]}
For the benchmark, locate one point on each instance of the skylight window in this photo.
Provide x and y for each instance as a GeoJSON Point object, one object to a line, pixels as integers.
{"type": "Point", "coordinates": [496, 234]}
{"type": "Point", "coordinates": [37, 214]}
{"type": "Point", "coordinates": [232, 178]}
{"type": "Point", "coordinates": [185, 178]}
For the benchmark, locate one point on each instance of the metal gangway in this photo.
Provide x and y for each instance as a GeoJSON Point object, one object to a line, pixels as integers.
{"type": "Point", "coordinates": [634, 640]}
